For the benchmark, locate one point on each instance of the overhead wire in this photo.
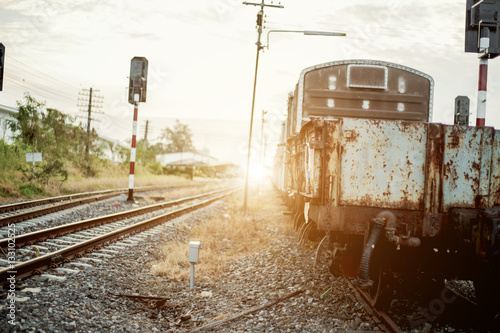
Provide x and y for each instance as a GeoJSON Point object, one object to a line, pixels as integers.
{"type": "Point", "coordinates": [56, 93]}
{"type": "Point", "coordinates": [41, 75]}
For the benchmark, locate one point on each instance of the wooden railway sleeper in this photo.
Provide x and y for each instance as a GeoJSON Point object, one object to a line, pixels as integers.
{"type": "Point", "coordinates": [56, 260]}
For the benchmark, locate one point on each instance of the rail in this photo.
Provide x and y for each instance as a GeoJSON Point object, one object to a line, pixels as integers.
{"type": "Point", "coordinates": [41, 235]}
{"type": "Point", "coordinates": [379, 317]}
{"type": "Point", "coordinates": [72, 201]}
{"type": "Point", "coordinates": [65, 255]}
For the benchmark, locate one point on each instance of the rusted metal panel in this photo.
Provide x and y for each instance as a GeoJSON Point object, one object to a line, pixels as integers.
{"type": "Point", "coordinates": [333, 156]}
{"type": "Point", "coordinates": [495, 172]}
{"type": "Point", "coordinates": [462, 167]}
{"type": "Point", "coordinates": [420, 171]}
{"type": "Point", "coordinates": [434, 168]}
{"type": "Point", "coordinates": [313, 157]}
{"type": "Point", "coordinates": [488, 136]}
{"type": "Point", "coordinates": [383, 164]}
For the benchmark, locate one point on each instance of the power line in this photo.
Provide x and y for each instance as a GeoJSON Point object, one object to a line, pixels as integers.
{"type": "Point", "coordinates": [38, 73]}
{"type": "Point", "coordinates": [96, 103]}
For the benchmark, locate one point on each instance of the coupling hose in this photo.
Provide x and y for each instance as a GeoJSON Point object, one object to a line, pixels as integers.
{"type": "Point", "coordinates": [364, 266]}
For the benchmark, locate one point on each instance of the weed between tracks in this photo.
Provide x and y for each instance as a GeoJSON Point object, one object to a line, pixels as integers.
{"type": "Point", "coordinates": [225, 237]}
{"type": "Point", "coordinates": [77, 184]}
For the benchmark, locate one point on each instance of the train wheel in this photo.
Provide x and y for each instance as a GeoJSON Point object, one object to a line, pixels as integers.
{"type": "Point", "coordinates": [378, 293]}
{"type": "Point", "coordinates": [324, 254]}
{"type": "Point", "coordinates": [298, 221]}
{"type": "Point", "coordinates": [375, 291]}
{"type": "Point", "coordinates": [487, 295]}
{"type": "Point", "coordinates": [304, 232]}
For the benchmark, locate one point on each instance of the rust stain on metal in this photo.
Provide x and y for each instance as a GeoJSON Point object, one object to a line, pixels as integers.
{"type": "Point", "coordinates": [415, 167]}
{"type": "Point", "coordinates": [351, 135]}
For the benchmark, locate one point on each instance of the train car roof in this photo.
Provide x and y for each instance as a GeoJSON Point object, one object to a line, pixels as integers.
{"type": "Point", "coordinates": [300, 90]}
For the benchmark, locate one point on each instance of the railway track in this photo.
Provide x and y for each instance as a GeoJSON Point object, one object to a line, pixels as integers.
{"type": "Point", "coordinates": [443, 307]}
{"type": "Point", "coordinates": [381, 318]}
{"type": "Point", "coordinates": [76, 239]}
{"type": "Point", "coordinates": [21, 211]}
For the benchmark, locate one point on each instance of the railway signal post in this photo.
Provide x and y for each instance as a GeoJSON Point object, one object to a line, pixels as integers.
{"type": "Point", "coordinates": [2, 60]}
{"type": "Point", "coordinates": [482, 27]}
{"type": "Point", "coordinates": [136, 94]}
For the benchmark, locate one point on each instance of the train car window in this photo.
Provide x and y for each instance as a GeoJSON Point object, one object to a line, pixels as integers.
{"type": "Point", "coordinates": [363, 76]}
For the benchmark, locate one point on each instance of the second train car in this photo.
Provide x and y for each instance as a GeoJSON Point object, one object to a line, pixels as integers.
{"type": "Point", "coordinates": [383, 189]}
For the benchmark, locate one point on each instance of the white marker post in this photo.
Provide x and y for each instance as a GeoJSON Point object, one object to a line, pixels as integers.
{"type": "Point", "coordinates": [193, 259]}
{"type": "Point", "coordinates": [33, 157]}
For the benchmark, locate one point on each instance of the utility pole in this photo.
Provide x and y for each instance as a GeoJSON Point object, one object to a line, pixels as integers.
{"type": "Point", "coordinates": [260, 16]}
{"type": "Point", "coordinates": [146, 134]}
{"type": "Point", "coordinates": [91, 104]}
{"type": "Point", "coordinates": [261, 151]}
{"type": "Point", "coordinates": [262, 135]}
{"type": "Point", "coordinates": [265, 147]}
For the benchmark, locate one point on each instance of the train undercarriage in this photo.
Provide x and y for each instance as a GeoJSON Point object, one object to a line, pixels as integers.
{"type": "Point", "coordinates": [378, 253]}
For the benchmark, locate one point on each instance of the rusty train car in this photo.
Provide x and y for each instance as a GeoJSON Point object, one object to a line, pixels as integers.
{"type": "Point", "coordinates": [384, 190]}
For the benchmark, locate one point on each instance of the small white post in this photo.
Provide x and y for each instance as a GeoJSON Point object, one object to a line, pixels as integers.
{"type": "Point", "coordinates": [191, 284]}
{"type": "Point", "coordinates": [193, 259]}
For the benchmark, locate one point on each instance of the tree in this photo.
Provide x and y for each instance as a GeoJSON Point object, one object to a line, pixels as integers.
{"type": "Point", "coordinates": [51, 132]}
{"type": "Point", "coordinates": [27, 123]}
{"type": "Point", "coordinates": [179, 139]}
{"type": "Point", "coordinates": [147, 153]}
{"type": "Point", "coordinates": [48, 129]}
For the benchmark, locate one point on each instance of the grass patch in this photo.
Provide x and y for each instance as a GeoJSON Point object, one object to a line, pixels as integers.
{"type": "Point", "coordinates": [14, 190]}
{"type": "Point", "coordinates": [30, 190]}
{"type": "Point", "coordinates": [225, 237]}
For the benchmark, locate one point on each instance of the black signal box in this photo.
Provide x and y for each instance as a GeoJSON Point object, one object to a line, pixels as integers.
{"type": "Point", "coordinates": [482, 19]}
{"type": "Point", "coordinates": [462, 110]}
{"type": "Point", "coordinates": [2, 61]}
{"type": "Point", "coordinates": [138, 80]}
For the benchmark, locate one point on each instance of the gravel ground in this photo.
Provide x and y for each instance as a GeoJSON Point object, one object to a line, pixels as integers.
{"type": "Point", "coordinates": [121, 295]}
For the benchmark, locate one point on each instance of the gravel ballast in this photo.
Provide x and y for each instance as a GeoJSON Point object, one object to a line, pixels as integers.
{"type": "Point", "coordinates": [116, 292]}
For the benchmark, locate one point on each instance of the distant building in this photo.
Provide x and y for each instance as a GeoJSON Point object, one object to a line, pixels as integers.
{"type": "Point", "coordinates": [207, 164]}
{"type": "Point", "coordinates": [186, 158]}
{"type": "Point", "coordinates": [112, 149]}
{"type": "Point", "coordinates": [6, 113]}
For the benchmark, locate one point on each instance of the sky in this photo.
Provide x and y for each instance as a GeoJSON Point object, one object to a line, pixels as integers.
{"type": "Point", "coordinates": [202, 60]}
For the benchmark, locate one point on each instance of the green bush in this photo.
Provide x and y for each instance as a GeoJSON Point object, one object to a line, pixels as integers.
{"type": "Point", "coordinates": [30, 190]}
{"type": "Point", "coordinates": [155, 168]}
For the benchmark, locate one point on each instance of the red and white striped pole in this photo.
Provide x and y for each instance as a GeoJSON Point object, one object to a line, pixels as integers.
{"type": "Point", "coordinates": [484, 43]}
{"type": "Point", "coordinates": [132, 152]}
{"type": "Point", "coordinates": [481, 93]}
